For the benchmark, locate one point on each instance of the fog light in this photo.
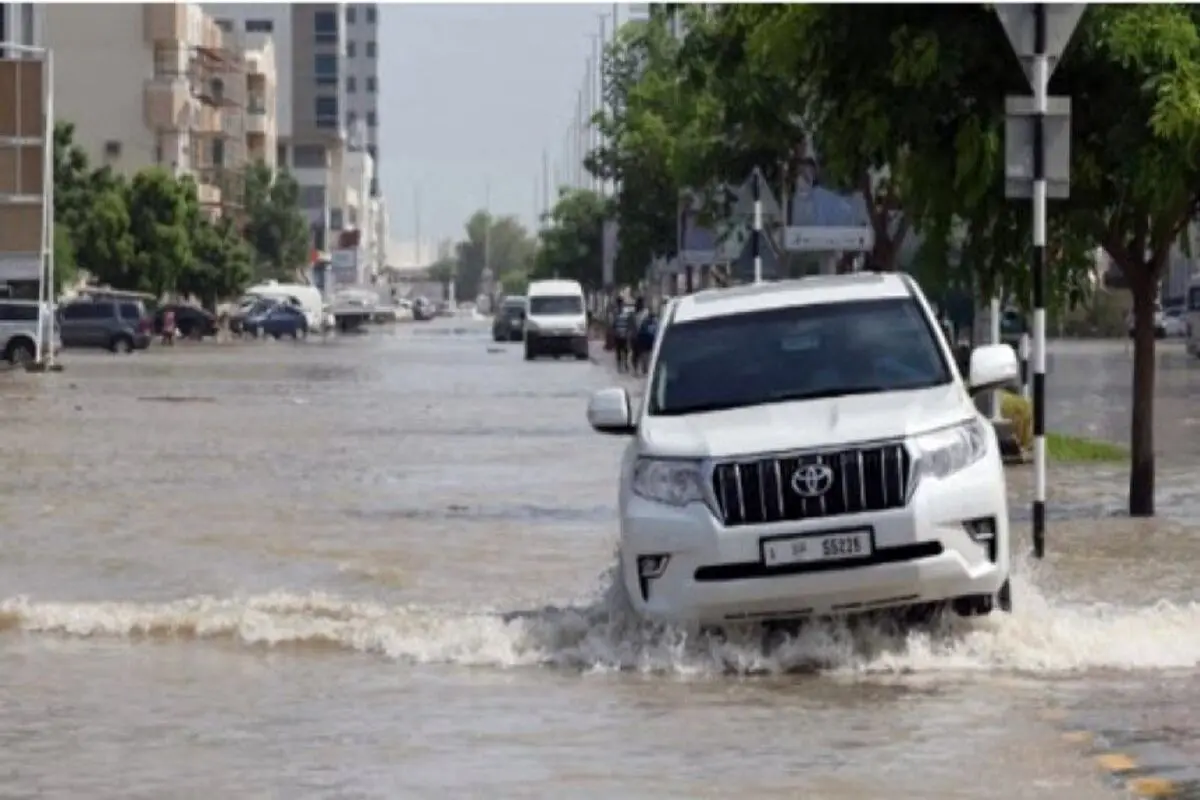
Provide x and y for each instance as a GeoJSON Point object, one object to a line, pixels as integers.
{"type": "Point", "coordinates": [983, 532]}
{"type": "Point", "coordinates": [652, 566]}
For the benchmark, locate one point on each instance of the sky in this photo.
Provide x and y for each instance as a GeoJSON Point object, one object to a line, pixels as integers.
{"type": "Point", "coordinates": [471, 96]}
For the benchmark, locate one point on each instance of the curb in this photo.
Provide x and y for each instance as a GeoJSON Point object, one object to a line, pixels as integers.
{"type": "Point", "coordinates": [1146, 769]}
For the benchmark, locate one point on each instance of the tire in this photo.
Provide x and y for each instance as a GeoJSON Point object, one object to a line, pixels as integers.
{"type": "Point", "coordinates": [529, 352]}
{"type": "Point", "coordinates": [581, 356]}
{"type": "Point", "coordinates": [20, 351]}
{"type": "Point", "coordinates": [982, 605]}
{"type": "Point", "coordinates": [121, 344]}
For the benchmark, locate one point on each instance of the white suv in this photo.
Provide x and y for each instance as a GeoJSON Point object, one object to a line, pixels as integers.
{"type": "Point", "coordinates": [19, 332]}
{"type": "Point", "coordinates": [808, 448]}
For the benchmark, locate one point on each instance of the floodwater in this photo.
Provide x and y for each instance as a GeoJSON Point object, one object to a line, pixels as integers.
{"type": "Point", "coordinates": [379, 567]}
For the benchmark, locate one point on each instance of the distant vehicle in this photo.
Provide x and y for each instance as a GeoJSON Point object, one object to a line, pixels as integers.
{"type": "Point", "coordinates": [281, 319]}
{"type": "Point", "coordinates": [300, 295]}
{"type": "Point", "coordinates": [556, 320]}
{"type": "Point", "coordinates": [423, 310]}
{"type": "Point", "coordinates": [508, 324]}
{"type": "Point", "coordinates": [250, 307]}
{"type": "Point", "coordinates": [191, 322]}
{"type": "Point", "coordinates": [19, 332]}
{"type": "Point", "coordinates": [1174, 323]}
{"type": "Point", "coordinates": [118, 325]}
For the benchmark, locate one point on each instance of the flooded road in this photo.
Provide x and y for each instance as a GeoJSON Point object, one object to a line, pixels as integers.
{"type": "Point", "coordinates": [378, 567]}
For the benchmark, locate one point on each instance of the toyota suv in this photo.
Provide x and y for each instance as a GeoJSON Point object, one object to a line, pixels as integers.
{"type": "Point", "coordinates": [809, 448]}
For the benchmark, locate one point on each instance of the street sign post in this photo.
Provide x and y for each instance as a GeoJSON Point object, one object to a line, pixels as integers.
{"type": "Point", "coordinates": [1039, 148]}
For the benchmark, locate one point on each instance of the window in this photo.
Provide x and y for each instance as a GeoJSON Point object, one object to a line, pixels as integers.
{"type": "Point", "coordinates": [372, 150]}
{"type": "Point", "coordinates": [335, 219]}
{"type": "Point", "coordinates": [370, 13]}
{"type": "Point", "coordinates": [350, 14]}
{"type": "Point", "coordinates": [370, 49]}
{"type": "Point", "coordinates": [374, 187]}
{"type": "Point", "coordinates": [18, 312]}
{"type": "Point", "coordinates": [310, 156]}
{"type": "Point", "coordinates": [225, 25]}
{"type": "Point", "coordinates": [327, 112]}
{"type": "Point", "coordinates": [132, 310]}
{"type": "Point", "coordinates": [326, 68]}
{"type": "Point", "coordinates": [370, 119]}
{"type": "Point", "coordinates": [325, 27]}
{"type": "Point", "coordinates": [351, 119]}
{"type": "Point", "coordinates": [370, 84]}
{"type": "Point", "coordinates": [351, 49]}
{"type": "Point", "coordinates": [566, 304]}
{"type": "Point", "coordinates": [259, 26]}
{"type": "Point", "coordinates": [312, 197]}
{"type": "Point", "coordinates": [281, 156]}
{"type": "Point", "coordinates": [85, 310]}
{"type": "Point", "coordinates": [797, 353]}
{"type": "Point", "coordinates": [351, 84]}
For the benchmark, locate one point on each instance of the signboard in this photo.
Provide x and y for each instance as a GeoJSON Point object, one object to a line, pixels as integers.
{"type": "Point", "coordinates": [343, 265]}
{"type": "Point", "coordinates": [1020, 21]}
{"type": "Point", "coordinates": [806, 239]}
{"type": "Point", "coordinates": [1019, 122]}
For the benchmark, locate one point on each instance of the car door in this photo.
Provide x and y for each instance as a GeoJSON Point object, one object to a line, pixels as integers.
{"type": "Point", "coordinates": [79, 324]}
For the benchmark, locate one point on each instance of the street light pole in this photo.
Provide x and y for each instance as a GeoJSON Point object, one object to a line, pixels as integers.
{"type": "Point", "coordinates": [1041, 78]}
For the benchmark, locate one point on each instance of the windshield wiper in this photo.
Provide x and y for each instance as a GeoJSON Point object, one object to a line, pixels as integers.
{"type": "Point", "coordinates": [701, 408]}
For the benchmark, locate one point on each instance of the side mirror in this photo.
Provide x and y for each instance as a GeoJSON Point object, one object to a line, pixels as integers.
{"type": "Point", "coordinates": [609, 412]}
{"type": "Point", "coordinates": [992, 366]}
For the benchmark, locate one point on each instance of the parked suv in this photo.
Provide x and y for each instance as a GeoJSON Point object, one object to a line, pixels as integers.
{"type": "Point", "coordinates": [118, 325]}
{"type": "Point", "coordinates": [19, 330]}
{"type": "Point", "coordinates": [809, 448]}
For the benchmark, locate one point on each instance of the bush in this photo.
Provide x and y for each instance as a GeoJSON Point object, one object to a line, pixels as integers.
{"type": "Point", "coordinates": [1019, 411]}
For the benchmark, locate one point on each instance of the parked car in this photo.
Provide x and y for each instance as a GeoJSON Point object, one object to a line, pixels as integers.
{"type": "Point", "coordinates": [118, 325]}
{"type": "Point", "coordinates": [250, 308]}
{"type": "Point", "coordinates": [278, 321]}
{"type": "Point", "coordinates": [423, 310]}
{"type": "Point", "coordinates": [19, 330]}
{"type": "Point", "coordinates": [1174, 323]}
{"type": "Point", "coordinates": [508, 324]}
{"type": "Point", "coordinates": [1160, 323]}
{"type": "Point", "coordinates": [191, 322]}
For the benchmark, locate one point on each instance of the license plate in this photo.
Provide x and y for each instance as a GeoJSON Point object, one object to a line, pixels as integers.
{"type": "Point", "coordinates": [817, 547]}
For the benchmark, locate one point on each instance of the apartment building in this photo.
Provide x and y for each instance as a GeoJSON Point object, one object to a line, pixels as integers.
{"type": "Point", "coordinates": [173, 93]}
{"type": "Point", "coordinates": [262, 90]}
{"type": "Point", "coordinates": [362, 78]}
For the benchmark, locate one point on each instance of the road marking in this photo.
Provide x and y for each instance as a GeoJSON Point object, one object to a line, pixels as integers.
{"type": "Point", "coordinates": [1116, 762]}
{"type": "Point", "coordinates": [1154, 788]}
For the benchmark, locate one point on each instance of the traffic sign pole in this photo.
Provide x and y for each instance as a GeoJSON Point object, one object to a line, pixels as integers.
{"type": "Point", "coordinates": [1040, 80]}
{"type": "Point", "coordinates": [756, 242]}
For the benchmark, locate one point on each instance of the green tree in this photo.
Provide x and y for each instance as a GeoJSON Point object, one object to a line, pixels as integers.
{"type": "Point", "coordinates": [502, 242]}
{"type": "Point", "coordinates": [159, 222]}
{"type": "Point", "coordinates": [223, 263]}
{"type": "Point", "coordinates": [571, 241]}
{"type": "Point", "coordinates": [275, 226]}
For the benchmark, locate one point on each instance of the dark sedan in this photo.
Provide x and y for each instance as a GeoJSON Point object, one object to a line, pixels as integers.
{"type": "Point", "coordinates": [190, 322]}
{"type": "Point", "coordinates": [508, 325]}
{"type": "Point", "coordinates": [278, 321]}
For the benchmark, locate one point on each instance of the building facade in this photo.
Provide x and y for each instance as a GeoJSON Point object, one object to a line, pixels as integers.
{"type": "Point", "coordinates": [262, 96]}
{"type": "Point", "coordinates": [362, 78]}
{"type": "Point", "coordinates": [173, 93]}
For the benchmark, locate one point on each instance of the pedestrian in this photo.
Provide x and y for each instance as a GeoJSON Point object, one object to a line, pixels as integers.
{"type": "Point", "coordinates": [168, 327]}
{"type": "Point", "coordinates": [622, 329]}
{"type": "Point", "coordinates": [647, 330]}
{"type": "Point", "coordinates": [638, 350]}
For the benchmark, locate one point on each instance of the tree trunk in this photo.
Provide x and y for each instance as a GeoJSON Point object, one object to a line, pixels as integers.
{"type": "Point", "coordinates": [1141, 471]}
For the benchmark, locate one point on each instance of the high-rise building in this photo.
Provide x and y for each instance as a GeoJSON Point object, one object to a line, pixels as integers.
{"type": "Point", "coordinates": [362, 78]}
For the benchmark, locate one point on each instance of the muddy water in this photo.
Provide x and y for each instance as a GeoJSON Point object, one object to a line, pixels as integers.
{"type": "Point", "coordinates": [379, 567]}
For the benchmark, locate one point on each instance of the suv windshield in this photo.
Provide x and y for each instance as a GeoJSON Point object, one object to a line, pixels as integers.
{"type": "Point", "coordinates": [797, 353]}
{"type": "Point", "coordinates": [570, 304]}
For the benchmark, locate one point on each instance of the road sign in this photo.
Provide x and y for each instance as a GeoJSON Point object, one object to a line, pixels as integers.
{"type": "Point", "coordinates": [1019, 122]}
{"type": "Point", "coordinates": [1019, 21]}
{"type": "Point", "coordinates": [811, 239]}
{"type": "Point", "coordinates": [744, 203]}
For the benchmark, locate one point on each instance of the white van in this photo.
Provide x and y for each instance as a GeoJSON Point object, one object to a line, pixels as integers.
{"type": "Point", "coordinates": [305, 297]}
{"type": "Point", "coordinates": [556, 320]}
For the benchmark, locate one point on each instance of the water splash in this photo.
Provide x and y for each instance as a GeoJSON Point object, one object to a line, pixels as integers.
{"type": "Point", "coordinates": [1042, 636]}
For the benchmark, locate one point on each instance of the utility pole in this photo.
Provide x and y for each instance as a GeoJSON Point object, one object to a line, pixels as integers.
{"type": "Point", "coordinates": [546, 181]}
{"type": "Point", "coordinates": [577, 166]}
{"type": "Point", "coordinates": [487, 231]}
{"type": "Point", "coordinates": [417, 224]}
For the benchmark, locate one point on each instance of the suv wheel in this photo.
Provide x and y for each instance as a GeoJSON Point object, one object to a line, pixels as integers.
{"type": "Point", "coordinates": [122, 344]}
{"type": "Point", "coordinates": [20, 351]}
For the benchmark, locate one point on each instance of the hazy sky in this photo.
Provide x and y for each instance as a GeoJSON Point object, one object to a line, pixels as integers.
{"type": "Point", "coordinates": [472, 94]}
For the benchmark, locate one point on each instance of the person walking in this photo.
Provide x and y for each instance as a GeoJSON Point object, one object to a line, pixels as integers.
{"type": "Point", "coordinates": [623, 320]}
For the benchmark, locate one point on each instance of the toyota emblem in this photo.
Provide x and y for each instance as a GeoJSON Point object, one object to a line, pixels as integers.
{"type": "Point", "coordinates": [812, 480]}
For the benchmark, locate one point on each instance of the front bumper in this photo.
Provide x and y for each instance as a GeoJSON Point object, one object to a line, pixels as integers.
{"type": "Point", "coordinates": [923, 553]}
{"type": "Point", "coordinates": [573, 342]}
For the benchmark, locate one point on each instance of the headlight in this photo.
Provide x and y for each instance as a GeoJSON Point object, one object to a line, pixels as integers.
{"type": "Point", "coordinates": [949, 450]}
{"type": "Point", "coordinates": [581, 327]}
{"type": "Point", "coordinates": [675, 483]}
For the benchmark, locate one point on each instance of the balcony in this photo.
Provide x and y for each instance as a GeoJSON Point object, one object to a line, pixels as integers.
{"type": "Point", "coordinates": [257, 118]}
{"type": "Point", "coordinates": [206, 121]}
{"type": "Point", "coordinates": [209, 194]}
{"type": "Point", "coordinates": [165, 22]}
{"type": "Point", "coordinates": [166, 104]}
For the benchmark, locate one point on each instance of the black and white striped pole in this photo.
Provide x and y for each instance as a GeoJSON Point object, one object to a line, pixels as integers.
{"type": "Point", "coordinates": [1038, 132]}
{"type": "Point", "coordinates": [1041, 77]}
{"type": "Point", "coordinates": [756, 241]}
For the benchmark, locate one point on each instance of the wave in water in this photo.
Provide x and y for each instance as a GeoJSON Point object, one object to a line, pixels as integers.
{"type": "Point", "coordinates": [1042, 636]}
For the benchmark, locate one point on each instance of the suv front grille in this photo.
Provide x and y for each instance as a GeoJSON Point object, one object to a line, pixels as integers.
{"type": "Point", "coordinates": [869, 478]}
